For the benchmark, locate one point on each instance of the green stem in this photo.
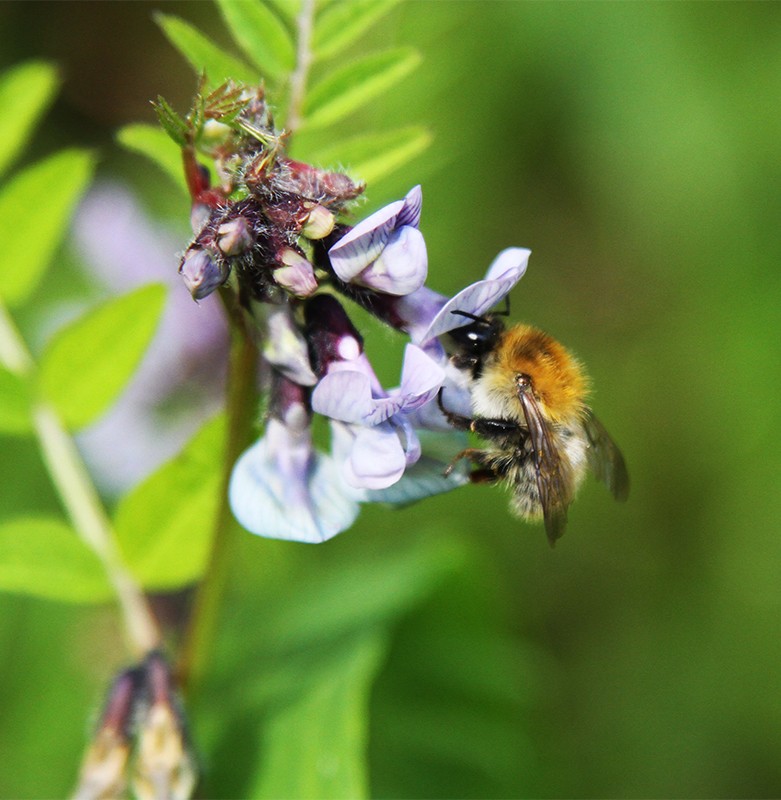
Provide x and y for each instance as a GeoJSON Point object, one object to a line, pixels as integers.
{"type": "Point", "coordinates": [79, 497]}
{"type": "Point", "coordinates": [300, 76]}
{"type": "Point", "coordinates": [241, 410]}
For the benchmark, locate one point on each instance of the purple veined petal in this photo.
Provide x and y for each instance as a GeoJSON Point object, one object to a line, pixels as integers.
{"type": "Point", "coordinates": [363, 244]}
{"type": "Point", "coordinates": [480, 297]}
{"type": "Point", "coordinates": [344, 395]}
{"type": "Point", "coordinates": [418, 309]}
{"type": "Point", "coordinates": [409, 439]}
{"type": "Point", "coordinates": [410, 210]}
{"type": "Point", "coordinates": [201, 273]}
{"type": "Point", "coordinates": [377, 459]}
{"type": "Point", "coordinates": [421, 378]}
{"type": "Point", "coordinates": [286, 349]}
{"type": "Point", "coordinates": [312, 507]}
{"type": "Point", "coordinates": [401, 267]}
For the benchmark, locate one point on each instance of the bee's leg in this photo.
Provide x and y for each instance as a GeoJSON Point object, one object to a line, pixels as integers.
{"type": "Point", "coordinates": [482, 475]}
{"type": "Point", "coordinates": [458, 421]}
{"type": "Point", "coordinates": [494, 428]}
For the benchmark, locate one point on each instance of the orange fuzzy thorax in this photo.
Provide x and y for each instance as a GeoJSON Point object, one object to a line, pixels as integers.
{"type": "Point", "coordinates": [558, 380]}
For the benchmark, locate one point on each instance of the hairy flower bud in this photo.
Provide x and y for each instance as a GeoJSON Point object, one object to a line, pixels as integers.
{"type": "Point", "coordinates": [201, 273]}
{"type": "Point", "coordinates": [319, 223]}
{"type": "Point", "coordinates": [234, 237]}
{"type": "Point", "coordinates": [297, 275]}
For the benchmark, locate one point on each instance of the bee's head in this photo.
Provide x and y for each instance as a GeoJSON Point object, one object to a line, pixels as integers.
{"type": "Point", "coordinates": [476, 339]}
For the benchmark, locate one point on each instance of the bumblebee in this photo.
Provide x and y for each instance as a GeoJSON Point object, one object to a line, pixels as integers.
{"type": "Point", "coordinates": [528, 398]}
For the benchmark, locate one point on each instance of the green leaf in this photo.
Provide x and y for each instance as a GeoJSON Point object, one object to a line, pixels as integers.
{"type": "Point", "coordinates": [260, 33]}
{"type": "Point", "coordinates": [375, 155]}
{"type": "Point", "coordinates": [164, 526]}
{"type": "Point", "coordinates": [26, 91]}
{"type": "Point", "coordinates": [348, 88]}
{"type": "Point", "coordinates": [87, 364]}
{"type": "Point", "coordinates": [35, 207]}
{"type": "Point", "coordinates": [315, 744]}
{"type": "Point", "coordinates": [341, 24]}
{"type": "Point", "coordinates": [203, 54]}
{"type": "Point", "coordinates": [155, 144]}
{"type": "Point", "coordinates": [15, 402]}
{"type": "Point", "coordinates": [42, 556]}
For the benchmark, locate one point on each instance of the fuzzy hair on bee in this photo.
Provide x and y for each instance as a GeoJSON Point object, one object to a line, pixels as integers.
{"type": "Point", "coordinates": [528, 398]}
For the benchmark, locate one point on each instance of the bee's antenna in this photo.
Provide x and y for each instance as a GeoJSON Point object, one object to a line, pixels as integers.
{"type": "Point", "coordinates": [467, 314]}
{"type": "Point", "coordinates": [506, 311]}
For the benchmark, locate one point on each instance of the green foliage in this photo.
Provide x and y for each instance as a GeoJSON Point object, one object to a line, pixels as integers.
{"type": "Point", "coordinates": [373, 156]}
{"type": "Point", "coordinates": [15, 402]}
{"type": "Point", "coordinates": [355, 84]}
{"type": "Point", "coordinates": [164, 526]}
{"type": "Point", "coordinates": [204, 56]}
{"type": "Point", "coordinates": [155, 144]}
{"type": "Point", "coordinates": [261, 34]}
{"type": "Point", "coordinates": [298, 688]}
{"type": "Point", "coordinates": [35, 207]}
{"type": "Point", "coordinates": [26, 91]}
{"type": "Point", "coordinates": [341, 24]}
{"type": "Point", "coordinates": [316, 742]}
{"type": "Point", "coordinates": [44, 557]}
{"type": "Point", "coordinates": [89, 362]}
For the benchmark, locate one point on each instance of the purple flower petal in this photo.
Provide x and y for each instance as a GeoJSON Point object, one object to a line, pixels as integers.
{"type": "Point", "coordinates": [201, 273]}
{"type": "Point", "coordinates": [344, 395]}
{"type": "Point", "coordinates": [421, 378]}
{"type": "Point", "coordinates": [401, 267]}
{"type": "Point", "coordinates": [478, 298]}
{"type": "Point", "coordinates": [281, 489]}
{"type": "Point", "coordinates": [410, 210]}
{"type": "Point", "coordinates": [377, 459]}
{"type": "Point", "coordinates": [364, 243]}
{"type": "Point", "coordinates": [286, 349]}
{"type": "Point", "coordinates": [297, 276]}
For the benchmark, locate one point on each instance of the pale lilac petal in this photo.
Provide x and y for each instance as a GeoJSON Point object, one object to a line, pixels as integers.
{"type": "Point", "coordinates": [376, 460]}
{"type": "Point", "coordinates": [418, 309]}
{"type": "Point", "coordinates": [480, 297]}
{"type": "Point", "coordinates": [409, 439]}
{"type": "Point", "coordinates": [421, 378]}
{"type": "Point", "coordinates": [290, 493]}
{"type": "Point", "coordinates": [402, 266]}
{"type": "Point", "coordinates": [345, 395]}
{"type": "Point", "coordinates": [410, 211]}
{"type": "Point", "coordinates": [364, 243]}
{"type": "Point", "coordinates": [286, 349]}
{"type": "Point", "coordinates": [423, 479]}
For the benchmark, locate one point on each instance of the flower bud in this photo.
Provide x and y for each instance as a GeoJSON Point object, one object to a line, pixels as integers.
{"type": "Point", "coordinates": [297, 276]}
{"type": "Point", "coordinates": [163, 764]}
{"type": "Point", "coordinates": [105, 762]}
{"type": "Point", "coordinates": [234, 237]}
{"type": "Point", "coordinates": [319, 223]}
{"type": "Point", "coordinates": [201, 273]}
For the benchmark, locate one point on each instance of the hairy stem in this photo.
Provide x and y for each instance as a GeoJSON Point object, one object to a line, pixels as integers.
{"type": "Point", "coordinates": [298, 80]}
{"type": "Point", "coordinates": [79, 497]}
{"type": "Point", "coordinates": [241, 409]}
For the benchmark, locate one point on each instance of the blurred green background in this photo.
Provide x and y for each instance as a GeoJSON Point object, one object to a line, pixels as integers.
{"type": "Point", "coordinates": [636, 149]}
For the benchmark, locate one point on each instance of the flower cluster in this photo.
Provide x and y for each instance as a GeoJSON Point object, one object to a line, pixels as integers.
{"type": "Point", "coordinates": [273, 233]}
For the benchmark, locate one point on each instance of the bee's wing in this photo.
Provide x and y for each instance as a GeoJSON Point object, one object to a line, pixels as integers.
{"type": "Point", "coordinates": [550, 480]}
{"type": "Point", "coordinates": [605, 458]}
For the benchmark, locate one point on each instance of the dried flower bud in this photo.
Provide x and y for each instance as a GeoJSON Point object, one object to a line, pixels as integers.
{"type": "Point", "coordinates": [319, 223]}
{"type": "Point", "coordinates": [234, 237]}
{"type": "Point", "coordinates": [104, 766]}
{"type": "Point", "coordinates": [297, 276]}
{"type": "Point", "coordinates": [201, 273]}
{"type": "Point", "coordinates": [164, 766]}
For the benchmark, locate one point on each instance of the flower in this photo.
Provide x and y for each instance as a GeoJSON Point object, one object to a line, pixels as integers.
{"type": "Point", "coordinates": [201, 273]}
{"type": "Point", "coordinates": [384, 443]}
{"type": "Point", "coordinates": [282, 487]}
{"type": "Point", "coordinates": [386, 252]}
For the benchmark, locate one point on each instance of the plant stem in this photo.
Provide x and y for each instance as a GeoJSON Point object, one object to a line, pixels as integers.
{"type": "Point", "coordinates": [79, 497]}
{"type": "Point", "coordinates": [298, 80]}
{"type": "Point", "coordinates": [241, 410]}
